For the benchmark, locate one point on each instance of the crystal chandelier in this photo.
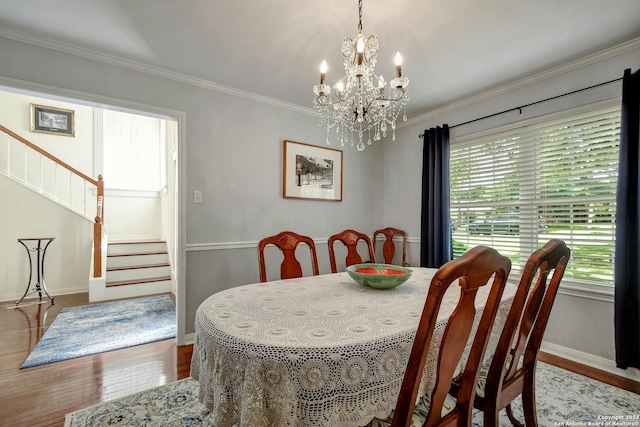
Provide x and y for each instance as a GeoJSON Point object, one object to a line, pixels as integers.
{"type": "Point", "coordinates": [361, 105]}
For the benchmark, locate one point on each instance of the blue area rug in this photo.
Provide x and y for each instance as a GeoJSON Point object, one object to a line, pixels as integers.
{"type": "Point", "coordinates": [563, 399]}
{"type": "Point", "coordinates": [96, 328]}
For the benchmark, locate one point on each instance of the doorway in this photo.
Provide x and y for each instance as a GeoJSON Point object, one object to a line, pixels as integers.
{"type": "Point", "coordinates": [171, 193]}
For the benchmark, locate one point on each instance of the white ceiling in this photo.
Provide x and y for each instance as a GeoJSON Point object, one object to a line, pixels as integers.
{"type": "Point", "coordinates": [453, 49]}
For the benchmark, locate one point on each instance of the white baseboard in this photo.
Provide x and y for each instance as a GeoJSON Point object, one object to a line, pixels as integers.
{"type": "Point", "coordinates": [596, 362]}
{"type": "Point", "coordinates": [189, 338]}
{"type": "Point", "coordinates": [54, 293]}
{"type": "Point", "coordinates": [134, 238]}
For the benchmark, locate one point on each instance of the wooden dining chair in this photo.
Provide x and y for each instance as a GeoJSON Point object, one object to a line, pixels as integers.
{"type": "Point", "coordinates": [350, 238]}
{"type": "Point", "coordinates": [287, 242]}
{"type": "Point", "coordinates": [389, 247]}
{"type": "Point", "coordinates": [480, 266]}
{"type": "Point", "coordinates": [507, 376]}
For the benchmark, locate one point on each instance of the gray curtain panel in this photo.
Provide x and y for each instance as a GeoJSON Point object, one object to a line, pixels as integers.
{"type": "Point", "coordinates": [435, 233]}
{"type": "Point", "coordinates": [627, 258]}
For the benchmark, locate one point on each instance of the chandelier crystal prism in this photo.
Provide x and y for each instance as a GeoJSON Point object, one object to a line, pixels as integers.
{"type": "Point", "coordinates": [361, 105]}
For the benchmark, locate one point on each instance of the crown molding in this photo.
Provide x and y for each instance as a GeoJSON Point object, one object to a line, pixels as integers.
{"type": "Point", "coordinates": [216, 87]}
{"type": "Point", "coordinates": [85, 98]}
{"type": "Point", "coordinates": [527, 81]}
{"type": "Point", "coordinates": [146, 69]}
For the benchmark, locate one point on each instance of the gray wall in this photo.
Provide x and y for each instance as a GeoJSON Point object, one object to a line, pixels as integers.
{"type": "Point", "coordinates": [233, 155]}
{"type": "Point", "coordinates": [579, 323]}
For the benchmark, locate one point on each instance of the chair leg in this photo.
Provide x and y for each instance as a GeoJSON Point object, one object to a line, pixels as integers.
{"type": "Point", "coordinates": [512, 418]}
{"type": "Point", "coordinates": [529, 400]}
{"type": "Point", "coordinates": [491, 416]}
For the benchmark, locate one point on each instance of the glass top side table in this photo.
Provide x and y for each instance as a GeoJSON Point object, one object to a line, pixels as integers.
{"type": "Point", "coordinates": [40, 250]}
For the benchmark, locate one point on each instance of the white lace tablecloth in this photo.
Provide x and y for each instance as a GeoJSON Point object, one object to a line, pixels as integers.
{"type": "Point", "coordinates": [313, 351]}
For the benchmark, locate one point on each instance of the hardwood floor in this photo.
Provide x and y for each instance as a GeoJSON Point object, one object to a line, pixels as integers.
{"type": "Point", "coordinates": [42, 395]}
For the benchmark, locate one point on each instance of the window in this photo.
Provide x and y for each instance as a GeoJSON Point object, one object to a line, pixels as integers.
{"type": "Point", "coordinates": [516, 189]}
{"type": "Point", "coordinates": [134, 152]}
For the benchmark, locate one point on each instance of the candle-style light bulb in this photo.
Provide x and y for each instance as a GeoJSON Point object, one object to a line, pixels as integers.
{"type": "Point", "coordinates": [398, 64]}
{"type": "Point", "coordinates": [381, 84]}
{"type": "Point", "coordinates": [323, 71]}
{"type": "Point", "coordinates": [360, 49]}
{"type": "Point", "coordinates": [360, 44]}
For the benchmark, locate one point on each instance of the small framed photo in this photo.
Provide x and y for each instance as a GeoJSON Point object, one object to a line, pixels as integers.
{"type": "Point", "coordinates": [52, 120]}
{"type": "Point", "coordinates": [312, 172]}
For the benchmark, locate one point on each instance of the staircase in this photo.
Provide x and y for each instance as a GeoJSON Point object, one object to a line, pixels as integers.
{"type": "Point", "coordinates": [40, 171]}
{"type": "Point", "coordinates": [137, 268]}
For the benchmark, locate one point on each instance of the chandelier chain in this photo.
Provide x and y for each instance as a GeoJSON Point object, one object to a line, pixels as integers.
{"type": "Point", "coordinates": [360, 15]}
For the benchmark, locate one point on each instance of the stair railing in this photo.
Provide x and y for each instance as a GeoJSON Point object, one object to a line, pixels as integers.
{"type": "Point", "coordinates": [98, 228]}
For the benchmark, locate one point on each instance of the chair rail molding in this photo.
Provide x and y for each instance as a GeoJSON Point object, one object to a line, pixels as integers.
{"type": "Point", "coordinates": [216, 246]}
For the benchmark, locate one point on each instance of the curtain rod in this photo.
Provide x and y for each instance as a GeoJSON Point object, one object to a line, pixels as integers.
{"type": "Point", "coordinates": [530, 104]}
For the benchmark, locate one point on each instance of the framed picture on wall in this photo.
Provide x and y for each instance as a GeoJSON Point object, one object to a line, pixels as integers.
{"type": "Point", "coordinates": [52, 120]}
{"type": "Point", "coordinates": [311, 172]}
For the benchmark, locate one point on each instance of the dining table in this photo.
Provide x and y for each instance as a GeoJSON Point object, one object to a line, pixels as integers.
{"type": "Point", "coordinates": [315, 351]}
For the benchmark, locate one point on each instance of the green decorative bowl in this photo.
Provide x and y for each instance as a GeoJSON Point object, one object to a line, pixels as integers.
{"type": "Point", "coordinates": [379, 276]}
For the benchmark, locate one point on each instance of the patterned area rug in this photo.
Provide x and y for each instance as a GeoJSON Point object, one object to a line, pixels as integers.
{"type": "Point", "coordinates": [563, 399]}
{"type": "Point", "coordinates": [96, 328]}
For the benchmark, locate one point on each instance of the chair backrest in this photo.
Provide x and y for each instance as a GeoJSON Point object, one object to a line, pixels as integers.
{"type": "Point", "coordinates": [287, 242]}
{"type": "Point", "coordinates": [528, 315]}
{"type": "Point", "coordinates": [478, 267]}
{"type": "Point", "coordinates": [350, 238]}
{"type": "Point", "coordinates": [389, 247]}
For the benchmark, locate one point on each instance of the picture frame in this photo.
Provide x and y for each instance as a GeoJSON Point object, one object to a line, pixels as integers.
{"type": "Point", "coordinates": [52, 120]}
{"type": "Point", "coordinates": [311, 172]}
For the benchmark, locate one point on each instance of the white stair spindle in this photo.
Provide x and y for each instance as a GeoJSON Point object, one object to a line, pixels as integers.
{"type": "Point", "coordinates": [41, 184]}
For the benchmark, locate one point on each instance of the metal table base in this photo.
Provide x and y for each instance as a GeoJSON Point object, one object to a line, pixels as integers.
{"type": "Point", "coordinates": [40, 250]}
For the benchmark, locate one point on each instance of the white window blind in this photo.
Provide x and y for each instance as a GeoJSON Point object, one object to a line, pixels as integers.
{"type": "Point", "coordinates": [516, 189]}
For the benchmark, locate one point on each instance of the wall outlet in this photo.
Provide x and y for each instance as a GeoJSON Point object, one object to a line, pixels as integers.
{"type": "Point", "coordinates": [197, 196]}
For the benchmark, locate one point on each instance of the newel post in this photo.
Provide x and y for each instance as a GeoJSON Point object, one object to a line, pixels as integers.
{"type": "Point", "coordinates": [97, 229]}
